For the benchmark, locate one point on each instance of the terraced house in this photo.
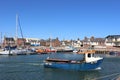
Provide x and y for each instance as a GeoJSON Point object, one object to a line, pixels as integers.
{"type": "Point", "coordinates": [8, 41]}
{"type": "Point", "coordinates": [112, 40]}
{"type": "Point", "coordinates": [93, 41]}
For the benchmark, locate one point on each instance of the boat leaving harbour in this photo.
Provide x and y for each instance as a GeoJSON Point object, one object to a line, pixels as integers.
{"type": "Point", "coordinates": [84, 61]}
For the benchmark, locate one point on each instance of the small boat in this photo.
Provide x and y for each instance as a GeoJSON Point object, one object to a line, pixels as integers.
{"type": "Point", "coordinates": [75, 51]}
{"type": "Point", "coordinates": [16, 52]}
{"type": "Point", "coordinates": [19, 52]}
{"type": "Point", "coordinates": [41, 51]}
{"type": "Point", "coordinates": [51, 49]}
{"type": "Point", "coordinates": [6, 52]}
{"type": "Point", "coordinates": [66, 49]}
{"type": "Point", "coordinates": [88, 62]}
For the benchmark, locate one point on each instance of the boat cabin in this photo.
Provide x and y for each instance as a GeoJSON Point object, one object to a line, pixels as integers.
{"type": "Point", "coordinates": [90, 57]}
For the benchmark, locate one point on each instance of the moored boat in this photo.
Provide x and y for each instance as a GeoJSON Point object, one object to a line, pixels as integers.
{"type": "Point", "coordinates": [88, 62]}
{"type": "Point", "coordinates": [19, 52]}
{"type": "Point", "coordinates": [66, 49]}
{"type": "Point", "coordinates": [16, 52]}
{"type": "Point", "coordinates": [51, 49]}
{"type": "Point", "coordinates": [75, 50]}
{"type": "Point", "coordinates": [6, 52]}
{"type": "Point", "coordinates": [41, 51]}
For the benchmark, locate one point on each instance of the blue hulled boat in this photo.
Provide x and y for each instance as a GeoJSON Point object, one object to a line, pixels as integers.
{"type": "Point", "coordinates": [88, 62]}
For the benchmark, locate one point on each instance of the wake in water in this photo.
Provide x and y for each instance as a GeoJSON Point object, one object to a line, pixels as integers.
{"type": "Point", "coordinates": [35, 64]}
{"type": "Point", "coordinates": [108, 77]}
{"type": "Point", "coordinates": [99, 68]}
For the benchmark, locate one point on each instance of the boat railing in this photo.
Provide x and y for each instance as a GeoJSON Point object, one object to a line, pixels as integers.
{"type": "Point", "coordinates": [64, 61]}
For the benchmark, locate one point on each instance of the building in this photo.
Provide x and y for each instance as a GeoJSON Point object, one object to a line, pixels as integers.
{"type": "Point", "coordinates": [56, 42]}
{"type": "Point", "coordinates": [93, 41]}
{"type": "Point", "coordinates": [8, 41]}
{"type": "Point", "coordinates": [77, 43]}
{"type": "Point", "coordinates": [21, 42]}
{"type": "Point", "coordinates": [86, 42]}
{"type": "Point", "coordinates": [42, 42]}
{"type": "Point", "coordinates": [97, 41]}
{"type": "Point", "coordinates": [33, 41]}
{"type": "Point", "coordinates": [112, 40]}
{"type": "Point", "coordinates": [50, 42]}
{"type": "Point", "coordinates": [66, 43]}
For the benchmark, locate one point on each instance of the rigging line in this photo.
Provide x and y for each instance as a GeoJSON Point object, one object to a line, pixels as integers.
{"type": "Point", "coordinates": [106, 76]}
{"type": "Point", "coordinates": [21, 31]}
{"type": "Point", "coordinates": [20, 27]}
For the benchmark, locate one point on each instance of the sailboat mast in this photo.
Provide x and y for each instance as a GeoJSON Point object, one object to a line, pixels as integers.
{"type": "Point", "coordinates": [16, 34]}
{"type": "Point", "coordinates": [20, 28]}
{"type": "Point", "coordinates": [19, 25]}
{"type": "Point", "coordinates": [1, 39]}
{"type": "Point", "coordinates": [50, 42]}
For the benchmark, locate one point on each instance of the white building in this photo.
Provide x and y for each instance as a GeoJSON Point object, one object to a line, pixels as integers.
{"type": "Point", "coordinates": [77, 43]}
{"type": "Point", "coordinates": [112, 40]}
{"type": "Point", "coordinates": [33, 41]}
{"type": "Point", "coordinates": [93, 41]}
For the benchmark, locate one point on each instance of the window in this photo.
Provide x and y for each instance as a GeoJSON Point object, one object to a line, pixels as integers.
{"type": "Point", "coordinates": [93, 54]}
{"type": "Point", "coordinates": [89, 55]}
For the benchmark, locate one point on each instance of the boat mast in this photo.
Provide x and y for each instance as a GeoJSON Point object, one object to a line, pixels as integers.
{"type": "Point", "coordinates": [50, 42]}
{"type": "Point", "coordinates": [18, 24]}
{"type": "Point", "coordinates": [1, 40]}
{"type": "Point", "coordinates": [16, 34]}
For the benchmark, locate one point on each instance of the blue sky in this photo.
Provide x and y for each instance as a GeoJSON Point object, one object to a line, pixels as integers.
{"type": "Point", "coordinates": [65, 19]}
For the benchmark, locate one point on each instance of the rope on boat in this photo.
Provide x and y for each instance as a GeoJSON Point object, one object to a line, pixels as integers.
{"type": "Point", "coordinates": [107, 76]}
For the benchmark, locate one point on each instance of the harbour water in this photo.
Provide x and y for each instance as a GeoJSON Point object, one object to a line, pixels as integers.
{"type": "Point", "coordinates": [30, 67]}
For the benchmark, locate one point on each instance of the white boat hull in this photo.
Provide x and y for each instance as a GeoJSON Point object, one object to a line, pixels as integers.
{"type": "Point", "coordinates": [4, 52]}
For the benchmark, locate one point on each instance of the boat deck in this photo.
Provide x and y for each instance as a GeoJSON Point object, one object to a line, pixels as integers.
{"type": "Point", "coordinates": [64, 61]}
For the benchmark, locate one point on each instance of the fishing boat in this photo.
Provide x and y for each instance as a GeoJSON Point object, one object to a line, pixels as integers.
{"type": "Point", "coordinates": [88, 62]}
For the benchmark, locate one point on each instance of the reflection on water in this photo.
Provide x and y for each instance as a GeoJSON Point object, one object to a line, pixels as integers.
{"type": "Point", "coordinates": [57, 74]}
{"type": "Point", "coordinates": [30, 67]}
